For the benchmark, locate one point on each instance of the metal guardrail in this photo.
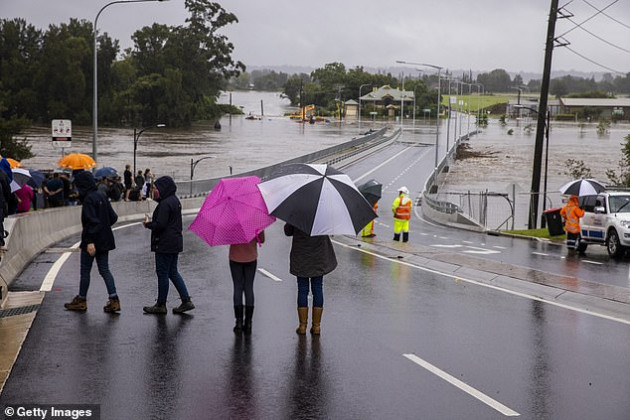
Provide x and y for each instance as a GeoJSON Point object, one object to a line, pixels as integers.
{"type": "Point", "coordinates": [329, 155]}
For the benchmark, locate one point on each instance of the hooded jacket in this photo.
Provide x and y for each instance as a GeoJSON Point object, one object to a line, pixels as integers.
{"type": "Point", "coordinates": [572, 213]}
{"type": "Point", "coordinates": [311, 256]}
{"type": "Point", "coordinates": [166, 224]}
{"type": "Point", "coordinates": [97, 214]}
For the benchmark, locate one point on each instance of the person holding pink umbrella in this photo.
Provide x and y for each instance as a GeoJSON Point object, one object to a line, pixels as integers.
{"type": "Point", "coordinates": [243, 261]}
{"type": "Point", "coordinates": [235, 214]}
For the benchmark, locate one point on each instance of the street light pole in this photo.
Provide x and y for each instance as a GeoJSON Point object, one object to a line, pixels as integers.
{"type": "Point", "coordinates": [193, 165]}
{"type": "Point", "coordinates": [95, 75]}
{"type": "Point", "coordinates": [361, 87]}
{"type": "Point", "coordinates": [439, 99]}
{"type": "Point", "coordinates": [136, 137]}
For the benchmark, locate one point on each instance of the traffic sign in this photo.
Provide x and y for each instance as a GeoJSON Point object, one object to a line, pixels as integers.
{"type": "Point", "coordinates": [62, 133]}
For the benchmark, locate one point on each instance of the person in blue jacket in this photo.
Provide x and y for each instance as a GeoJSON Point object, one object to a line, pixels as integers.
{"type": "Point", "coordinates": [97, 239]}
{"type": "Point", "coordinates": [167, 242]}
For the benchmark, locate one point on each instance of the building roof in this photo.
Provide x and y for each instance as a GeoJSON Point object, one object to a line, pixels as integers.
{"type": "Point", "coordinates": [351, 102]}
{"type": "Point", "coordinates": [596, 102]}
{"type": "Point", "coordinates": [387, 91]}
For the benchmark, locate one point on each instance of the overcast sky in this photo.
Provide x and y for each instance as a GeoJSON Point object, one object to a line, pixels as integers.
{"type": "Point", "coordinates": [481, 35]}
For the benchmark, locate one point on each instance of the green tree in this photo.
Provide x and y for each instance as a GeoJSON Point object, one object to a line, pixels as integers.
{"type": "Point", "coordinates": [497, 80]}
{"type": "Point", "coordinates": [576, 169]}
{"type": "Point", "coordinates": [622, 179]}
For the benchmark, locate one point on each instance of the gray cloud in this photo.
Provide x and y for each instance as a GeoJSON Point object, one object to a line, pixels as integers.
{"type": "Point", "coordinates": [458, 34]}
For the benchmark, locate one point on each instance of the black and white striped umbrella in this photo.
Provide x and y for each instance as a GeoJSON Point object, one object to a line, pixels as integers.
{"type": "Point", "coordinates": [317, 199]}
{"type": "Point", "coordinates": [582, 187]}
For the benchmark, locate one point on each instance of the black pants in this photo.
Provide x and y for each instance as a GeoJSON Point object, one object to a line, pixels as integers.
{"type": "Point", "coordinates": [243, 279]}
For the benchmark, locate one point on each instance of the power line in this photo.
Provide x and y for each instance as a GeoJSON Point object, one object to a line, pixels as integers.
{"type": "Point", "coordinates": [580, 24]}
{"type": "Point", "coordinates": [598, 37]}
{"type": "Point", "coordinates": [594, 62]}
{"type": "Point", "coordinates": [608, 16]}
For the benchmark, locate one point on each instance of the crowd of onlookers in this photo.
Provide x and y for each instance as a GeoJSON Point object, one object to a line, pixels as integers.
{"type": "Point", "coordinates": [58, 190]}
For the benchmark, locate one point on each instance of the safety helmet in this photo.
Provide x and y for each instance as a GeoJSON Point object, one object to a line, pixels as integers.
{"type": "Point", "coordinates": [403, 190]}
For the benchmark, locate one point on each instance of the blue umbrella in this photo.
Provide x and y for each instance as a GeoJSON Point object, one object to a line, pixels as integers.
{"type": "Point", "coordinates": [37, 177]}
{"type": "Point", "coordinates": [105, 172]}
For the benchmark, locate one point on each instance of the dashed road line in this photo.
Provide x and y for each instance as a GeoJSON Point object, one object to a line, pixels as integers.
{"type": "Point", "coordinates": [268, 274]}
{"type": "Point", "coordinates": [491, 402]}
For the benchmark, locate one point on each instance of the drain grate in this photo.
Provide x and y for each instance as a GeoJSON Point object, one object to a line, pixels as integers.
{"type": "Point", "coordinates": [5, 313]}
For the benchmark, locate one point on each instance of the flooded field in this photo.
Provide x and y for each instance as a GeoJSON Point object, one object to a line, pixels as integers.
{"type": "Point", "coordinates": [508, 160]}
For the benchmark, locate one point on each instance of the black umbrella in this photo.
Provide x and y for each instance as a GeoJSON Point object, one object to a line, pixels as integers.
{"type": "Point", "coordinates": [317, 199]}
{"type": "Point", "coordinates": [372, 191]}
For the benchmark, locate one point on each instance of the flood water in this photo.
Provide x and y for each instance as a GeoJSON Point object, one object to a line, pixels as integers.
{"type": "Point", "coordinates": [245, 145]}
{"type": "Point", "coordinates": [242, 144]}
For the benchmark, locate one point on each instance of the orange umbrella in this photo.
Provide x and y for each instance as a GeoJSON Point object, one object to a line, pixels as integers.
{"type": "Point", "coordinates": [77, 161]}
{"type": "Point", "coordinates": [14, 163]}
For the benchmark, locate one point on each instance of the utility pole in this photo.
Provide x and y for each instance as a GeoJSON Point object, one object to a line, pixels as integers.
{"type": "Point", "coordinates": [542, 108]}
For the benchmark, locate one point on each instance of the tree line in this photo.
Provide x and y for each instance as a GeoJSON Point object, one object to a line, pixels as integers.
{"type": "Point", "coordinates": [172, 75]}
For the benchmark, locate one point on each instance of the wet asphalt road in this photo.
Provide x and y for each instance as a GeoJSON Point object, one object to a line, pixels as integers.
{"type": "Point", "coordinates": [530, 358]}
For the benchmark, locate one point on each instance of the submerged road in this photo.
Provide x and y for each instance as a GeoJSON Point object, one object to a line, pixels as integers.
{"type": "Point", "coordinates": [400, 338]}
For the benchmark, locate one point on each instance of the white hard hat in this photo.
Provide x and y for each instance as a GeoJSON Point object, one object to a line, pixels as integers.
{"type": "Point", "coordinates": [403, 190]}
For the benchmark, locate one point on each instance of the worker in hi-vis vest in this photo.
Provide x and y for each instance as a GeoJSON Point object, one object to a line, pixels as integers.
{"type": "Point", "coordinates": [368, 230]}
{"type": "Point", "coordinates": [401, 207]}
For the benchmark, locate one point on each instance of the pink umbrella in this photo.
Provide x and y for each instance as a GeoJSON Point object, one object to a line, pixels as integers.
{"type": "Point", "coordinates": [233, 213]}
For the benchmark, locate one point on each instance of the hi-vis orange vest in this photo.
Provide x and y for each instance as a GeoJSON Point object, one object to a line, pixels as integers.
{"type": "Point", "coordinates": [403, 208]}
{"type": "Point", "coordinates": [572, 213]}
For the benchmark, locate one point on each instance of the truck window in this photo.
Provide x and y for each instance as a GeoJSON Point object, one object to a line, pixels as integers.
{"type": "Point", "coordinates": [587, 202]}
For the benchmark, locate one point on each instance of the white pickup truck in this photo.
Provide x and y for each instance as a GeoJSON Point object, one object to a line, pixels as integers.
{"type": "Point", "coordinates": [606, 222]}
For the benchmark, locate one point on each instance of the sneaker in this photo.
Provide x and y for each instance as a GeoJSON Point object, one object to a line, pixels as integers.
{"type": "Point", "coordinates": [113, 305]}
{"type": "Point", "coordinates": [155, 309]}
{"type": "Point", "coordinates": [185, 306]}
{"type": "Point", "coordinates": [77, 304]}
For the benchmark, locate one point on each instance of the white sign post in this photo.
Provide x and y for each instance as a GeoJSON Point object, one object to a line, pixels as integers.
{"type": "Point", "coordinates": [62, 133]}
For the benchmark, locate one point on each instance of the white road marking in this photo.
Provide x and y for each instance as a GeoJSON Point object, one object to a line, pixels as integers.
{"type": "Point", "coordinates": [481, 252]}
{"type": "Point", "coordinates": [447, 246]}
{"type": "Point", "coordinates": [506, 411]}
{"type": "Point", "coordinates": [50, 277]}
{"type": "Point", "coordinates": [592, 262]}
{"type": "Point", "coordinates": [489, 286]}
{"type": "Point", "coordinates": [540, 253]}
{"type": "Point", "coordinates": [381, 165]}
{"type": "Point", "coordinates": [268, 274]}
{"type": "Point", "coordinates": [499, 247]}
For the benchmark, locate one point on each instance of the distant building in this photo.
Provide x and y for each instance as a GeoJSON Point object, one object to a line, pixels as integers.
{"type": "Point", "coordinates": [352, 108]}
{"type": "Point", "coordinates": [605, 107]}
{"type": "Point", "coordinates": [387, 98]}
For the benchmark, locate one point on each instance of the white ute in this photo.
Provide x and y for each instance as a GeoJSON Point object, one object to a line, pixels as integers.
{"type": "Point", "coordinates": [606, 222]}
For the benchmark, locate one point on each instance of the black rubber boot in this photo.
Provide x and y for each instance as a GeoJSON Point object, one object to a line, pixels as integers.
{"type": "Point", "coordinates": [238, 314]}
{"type": "Point", "coordinates": [405, 236]}
{"type": "Point", "coordinates": [249, 313]}
{"type": "Point", "coordinates": [397, 236]}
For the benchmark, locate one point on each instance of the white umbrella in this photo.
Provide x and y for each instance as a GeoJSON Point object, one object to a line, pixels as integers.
{"type": "Point", "coordinates": [317, 199]}
{"type": "Point", "coordinates": [582, 187]}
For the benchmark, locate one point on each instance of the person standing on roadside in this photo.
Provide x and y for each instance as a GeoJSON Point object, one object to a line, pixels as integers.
{"type": "Point", "coordinates": [310, 259]}
{"type": "Point", "coordinates": [571, 214]}
{"type": "Point", "coordinates": [167, 242]}
{"type": "Point", "coordinates": [127, 175]}
{"type": "Point", "coordinates": [401, 207]}
{"type": "Point", "coordinates": [97, 239]}
{"type": "Point", "coordinates": [243, 261]}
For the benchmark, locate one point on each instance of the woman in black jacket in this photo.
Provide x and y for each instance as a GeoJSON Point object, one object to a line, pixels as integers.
{"type": "Point", "coordinates": [167, 242]}
{"type": "Point", "coordinates": [311, 258]}
{"type": "Point", "coordinates": [97, 239]}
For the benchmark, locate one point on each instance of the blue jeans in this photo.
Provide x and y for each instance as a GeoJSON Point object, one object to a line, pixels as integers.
{"type": "Point", "coordinates": [317, 288]}
{"type": "Point", "coordinates": [166, 268]}
{"type": "Point", "coordinates": [102, 262]}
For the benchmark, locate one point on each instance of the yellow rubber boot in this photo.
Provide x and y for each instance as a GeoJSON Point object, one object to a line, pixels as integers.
{"type": "Point", "coordinates": [303, 317]}
{"type": "Point", "coordinates": [317, 320]}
